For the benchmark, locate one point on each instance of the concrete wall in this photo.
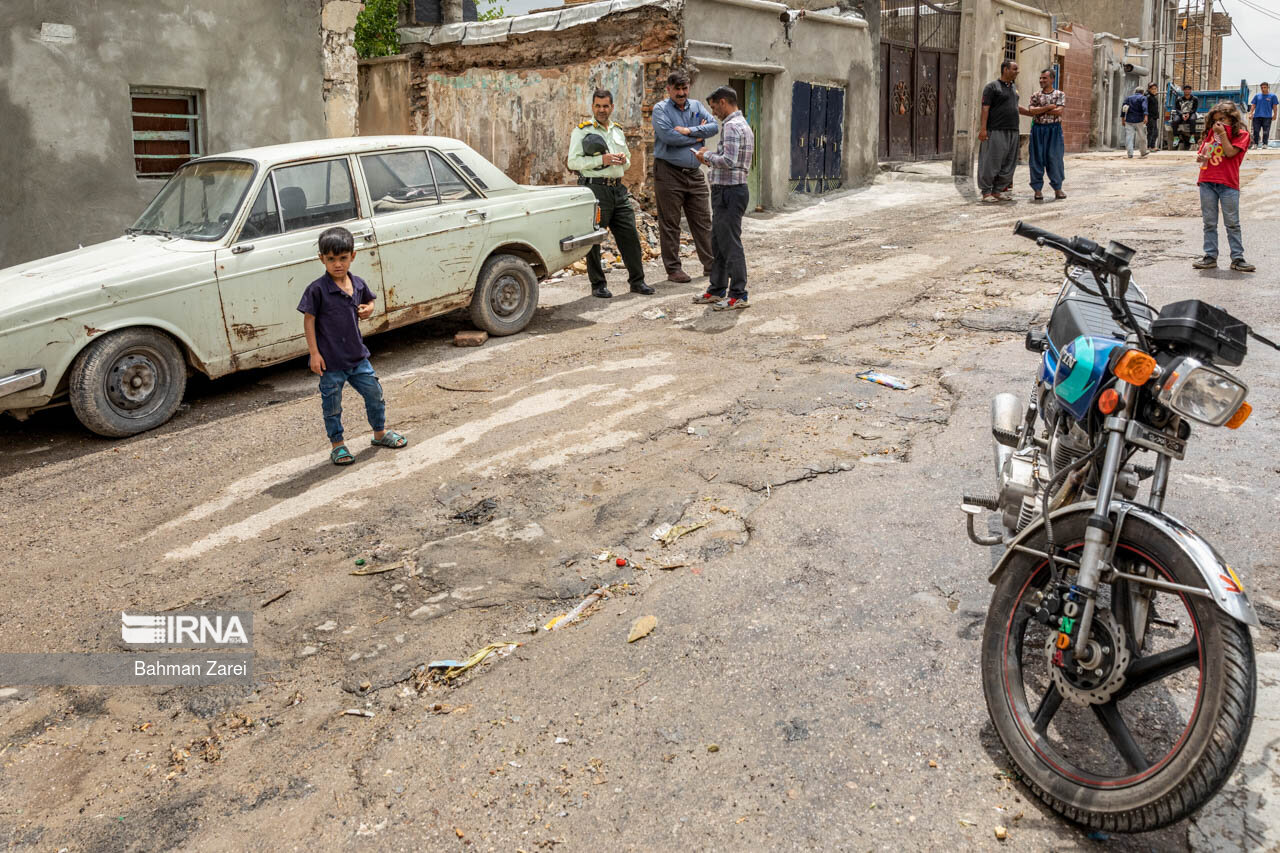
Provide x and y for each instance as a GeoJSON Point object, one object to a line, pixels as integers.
{"type": "Point", "coordinates": [521, 119]}
{"type": "Point", "coordinates": [67, 146]}
{"type": "Point", "coordinates": [1111, 85]}
{"type": "Point", "coordinates": [385, 106]}
{"type": "Point", "coordinates": [982, 36]}
{"type": "Point", "coordinates": [823, 50]}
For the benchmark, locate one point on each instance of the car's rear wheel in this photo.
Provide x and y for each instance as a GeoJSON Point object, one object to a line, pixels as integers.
{"type": "Point", "coordinates": [127, 382]}
{"type": "Point", "coordinates": [506, 295]}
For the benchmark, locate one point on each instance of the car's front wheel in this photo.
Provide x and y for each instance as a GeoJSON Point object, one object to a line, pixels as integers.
{"type": "Point", "coordinates": [506, 295]}
{"type": "Point", "coordinates": [127, 382]}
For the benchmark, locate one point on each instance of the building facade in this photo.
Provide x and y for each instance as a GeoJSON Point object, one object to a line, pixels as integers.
{"type": "Point", "coordinates": [103, 100]}
{"type": "Point", "coordinates": [514, 88]}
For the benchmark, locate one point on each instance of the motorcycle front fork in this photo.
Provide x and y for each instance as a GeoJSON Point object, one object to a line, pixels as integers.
{"type": "Point", "coordinates": [1101, 530]}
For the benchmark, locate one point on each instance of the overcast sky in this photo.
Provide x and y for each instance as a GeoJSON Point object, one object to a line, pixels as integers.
{"type": "Point", "coordinates": [1263, 33]}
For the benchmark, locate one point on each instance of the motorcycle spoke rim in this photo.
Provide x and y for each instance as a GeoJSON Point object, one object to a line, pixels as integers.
{"type": "Point", "coordinates": [1125, 740]}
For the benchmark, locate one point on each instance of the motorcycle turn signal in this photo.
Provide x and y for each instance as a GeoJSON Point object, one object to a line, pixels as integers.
{"type": "Point", "coordinates": [1108, 401]}
{"type": "Point", "coordinates": [1135, 367]}
{"type": "Point", "coordinates": [1241, 415]}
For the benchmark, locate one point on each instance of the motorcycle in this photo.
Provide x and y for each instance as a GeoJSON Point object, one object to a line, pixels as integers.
{"type": "Point", "coordinates": [1117, 663]}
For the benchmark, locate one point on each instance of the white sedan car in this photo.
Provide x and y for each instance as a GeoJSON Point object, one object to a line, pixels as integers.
{"type": "Point", "coordinates": [208, 279]}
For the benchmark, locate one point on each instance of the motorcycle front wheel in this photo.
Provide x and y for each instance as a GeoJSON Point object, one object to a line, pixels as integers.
{"type": "Point", "coordinates": [1134, 753]}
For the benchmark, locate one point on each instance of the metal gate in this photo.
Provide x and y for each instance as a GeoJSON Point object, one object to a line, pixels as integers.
{"type": "Point", "coordinates": [919, 46]}
{"type": "Point", "coordinates": [817, 137]}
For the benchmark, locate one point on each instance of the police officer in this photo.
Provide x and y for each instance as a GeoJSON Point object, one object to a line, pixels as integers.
{"type": "Point", "coordinates": [598, 153]}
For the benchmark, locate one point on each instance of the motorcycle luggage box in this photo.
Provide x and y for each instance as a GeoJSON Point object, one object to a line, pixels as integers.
{"type": "Point", "coordinates": [1203, 329]}
{"type": "Point", "coordinates": [1078, 313]}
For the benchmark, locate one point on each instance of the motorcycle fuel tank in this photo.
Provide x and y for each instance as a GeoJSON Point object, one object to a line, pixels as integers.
{"type": "Point", "coordinates": [1081, 371]}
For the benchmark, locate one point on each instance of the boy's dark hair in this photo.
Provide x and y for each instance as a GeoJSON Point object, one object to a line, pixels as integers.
{"type": "Point", "coordinates": [336, 241]}
{"type": "Point", "coordinates": [724, 93]}
{"type": "Point", "coordinates": [677, 78]}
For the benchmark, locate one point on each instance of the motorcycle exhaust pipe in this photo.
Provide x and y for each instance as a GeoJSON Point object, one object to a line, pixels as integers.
{"type": "Point", "coordinates": [1006, 416]}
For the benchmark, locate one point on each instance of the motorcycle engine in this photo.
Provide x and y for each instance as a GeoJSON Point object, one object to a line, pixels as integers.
{"type": "Point", "coordinates": [1019, 494]}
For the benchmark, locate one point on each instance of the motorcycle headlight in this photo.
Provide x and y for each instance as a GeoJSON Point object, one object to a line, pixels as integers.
{"type": "Point", "coordinates": [1202, 393]}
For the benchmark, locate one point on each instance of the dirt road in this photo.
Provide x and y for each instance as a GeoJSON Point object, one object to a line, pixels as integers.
{"type": "Point", "coordinates": [812, 681]}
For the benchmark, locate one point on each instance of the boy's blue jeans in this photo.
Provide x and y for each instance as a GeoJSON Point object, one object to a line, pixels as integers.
{"type": "Point", "coordinates": [1213, 196]}
{"type": "Point", "coordinates": [365, 381]}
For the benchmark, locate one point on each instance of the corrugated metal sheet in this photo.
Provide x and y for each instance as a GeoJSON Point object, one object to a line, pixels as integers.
{"type": "Point", "coordinates": [493, 32]}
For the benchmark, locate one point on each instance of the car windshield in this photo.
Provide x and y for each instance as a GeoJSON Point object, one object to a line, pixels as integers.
{"type": "Point", "coordinates": [199, 202]}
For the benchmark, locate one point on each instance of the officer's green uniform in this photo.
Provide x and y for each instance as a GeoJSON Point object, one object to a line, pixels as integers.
{"type": "Point", "coordinates": [616, 212]}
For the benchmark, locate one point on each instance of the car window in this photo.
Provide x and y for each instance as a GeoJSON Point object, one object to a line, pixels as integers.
{"type": "Point", "coordinates": [315, 194]}
{"type": "Point", "coordinates": [264, 217]}
{"type": "Point", "coordinates": [449, 182]}
{"type": "Point", "coordinates": [399, 180]}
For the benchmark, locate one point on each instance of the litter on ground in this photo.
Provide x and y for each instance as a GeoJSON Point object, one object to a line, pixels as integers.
{"type": "Point", "coordinates": [454, 668]}
{"type": "Point", "coordinates": [884, 379]}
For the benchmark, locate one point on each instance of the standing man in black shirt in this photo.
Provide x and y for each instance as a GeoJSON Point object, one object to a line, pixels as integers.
{"type": "Point", "coordinates": [998, 133]}
{"type": "Point", "coordinates": [1153, 115]}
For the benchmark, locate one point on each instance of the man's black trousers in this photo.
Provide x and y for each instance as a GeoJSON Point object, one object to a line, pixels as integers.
{"type": "Point", "coordinates": [618, 216]}
{"type": "Point", "coordinates": [729, 267]}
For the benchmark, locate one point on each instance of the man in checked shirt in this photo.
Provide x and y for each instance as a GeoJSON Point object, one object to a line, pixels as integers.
{"type": "Point", "coordinates": [730, 165]}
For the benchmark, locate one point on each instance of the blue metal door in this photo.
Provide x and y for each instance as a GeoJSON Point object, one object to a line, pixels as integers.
{"type": "Point", "coordinates": [800, 97]}
{"type": "Point", "coordinates": [817, 137]}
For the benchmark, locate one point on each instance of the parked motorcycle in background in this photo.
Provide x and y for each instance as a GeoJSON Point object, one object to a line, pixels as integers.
{"type": "Point", "coordinates": [1116, 659]}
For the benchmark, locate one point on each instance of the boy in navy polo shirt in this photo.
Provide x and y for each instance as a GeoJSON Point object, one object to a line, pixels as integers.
{"type": "Point", "coordinates": [332, 307]}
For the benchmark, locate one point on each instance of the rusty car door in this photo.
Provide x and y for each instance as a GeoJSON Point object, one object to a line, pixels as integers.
{"type": "Point", "coordinates": [430, 224]}
{"type": "Point", "coordinates": [262, 274]}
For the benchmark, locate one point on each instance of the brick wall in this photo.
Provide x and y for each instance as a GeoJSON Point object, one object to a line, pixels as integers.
{"type": "Point", "coordinates": [1076, 82]}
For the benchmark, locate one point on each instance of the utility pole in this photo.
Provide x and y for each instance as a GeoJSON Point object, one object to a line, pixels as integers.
{"type": "Point", "coordinates": [1205, 39]}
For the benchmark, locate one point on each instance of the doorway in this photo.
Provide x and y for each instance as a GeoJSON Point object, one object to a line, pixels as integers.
{"type": "Point", "coordinates": [750, 100]}
{"type": "Point", "coordinates": [919, 57]}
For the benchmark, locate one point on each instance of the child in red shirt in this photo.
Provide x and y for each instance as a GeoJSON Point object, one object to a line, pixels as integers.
{"type": "Point", "coordinates": [1220, 155]}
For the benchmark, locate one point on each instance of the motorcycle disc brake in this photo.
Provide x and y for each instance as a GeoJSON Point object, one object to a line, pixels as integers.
{"type": "Point", "coordinates": [1094, 686]}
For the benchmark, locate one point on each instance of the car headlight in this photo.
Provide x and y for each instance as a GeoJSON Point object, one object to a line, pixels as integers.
{"type": "Point", "coordinates": [1202, 393]}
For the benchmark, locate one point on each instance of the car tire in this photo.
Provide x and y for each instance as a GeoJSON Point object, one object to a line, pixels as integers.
{"type": "Point", "coordinates": [127, 382]}
{"type": "Point", "coordinates": [506, 295]}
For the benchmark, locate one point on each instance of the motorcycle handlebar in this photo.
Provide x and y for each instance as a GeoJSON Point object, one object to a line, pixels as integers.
{"type": "Point", "coordinates": [1079, 248]}
{"type": "Point", "coordinates": [1031, 232]}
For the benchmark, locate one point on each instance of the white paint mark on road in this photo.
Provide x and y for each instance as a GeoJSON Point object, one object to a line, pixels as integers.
{"type": "Point", "coordinates": [863, 277]}
{"type": "Point", "coordinates": [247, 487]}
{"type": "Point", "coordinates": [599, 444]}
{"type": "Point", "coordinates": [776, 326]}
{"type": "Point", "coordinates": [402, 463]}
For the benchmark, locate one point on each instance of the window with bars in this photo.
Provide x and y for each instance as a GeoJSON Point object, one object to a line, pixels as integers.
{"type": "Point", "coordinates": [166, 129]}
{"type": "Point", "coordinates": [1010, 47]}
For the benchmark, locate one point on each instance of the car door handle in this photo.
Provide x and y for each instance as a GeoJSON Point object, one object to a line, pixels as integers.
{"type": "Point", "coordinates": [366, 236]}
{"type": "Point", "coordinates": [477, 215]}
{"type": "Point", "coordinates": [242, 248]}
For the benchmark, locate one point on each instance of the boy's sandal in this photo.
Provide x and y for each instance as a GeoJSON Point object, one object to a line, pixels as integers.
{"type": "Point", "coordinates": [341, 456]}
{"type": "Point", "coordinates": [390, 439]}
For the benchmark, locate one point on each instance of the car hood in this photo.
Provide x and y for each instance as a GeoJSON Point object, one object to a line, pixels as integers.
{"type": "Point", "coordinates": [124, 260]}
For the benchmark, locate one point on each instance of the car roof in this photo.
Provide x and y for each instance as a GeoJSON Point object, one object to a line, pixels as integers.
{"type": "Point", "coordinates": [270, 155]}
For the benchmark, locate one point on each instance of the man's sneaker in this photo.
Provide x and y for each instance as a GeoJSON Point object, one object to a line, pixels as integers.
{"type": "Point", "coordinates": [706, 299]}
{"type": "Point", "coordinates": [1241, 265]}
{"type": "Point", "coordinates": [730, 304]}
{"type": "Point", "coordinates": [1208, 262]}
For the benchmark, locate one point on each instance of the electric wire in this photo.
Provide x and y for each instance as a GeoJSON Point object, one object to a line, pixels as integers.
{"type": "Point", "coordinates": [1243, 41]}
{"type": "Point", "coordinates": [1261, 10]}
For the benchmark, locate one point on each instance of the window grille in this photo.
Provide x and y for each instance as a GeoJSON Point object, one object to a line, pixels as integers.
{"type": "Point", "coordinates": [166, 129]}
